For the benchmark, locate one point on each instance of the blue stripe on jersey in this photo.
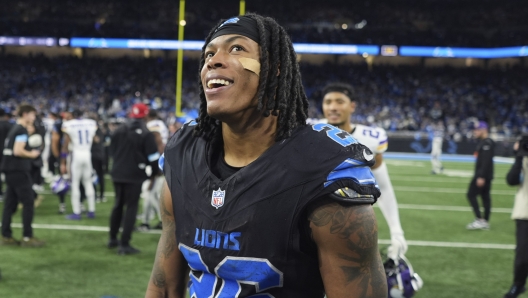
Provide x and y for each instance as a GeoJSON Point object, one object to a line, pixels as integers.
{"type": "Point", "coordinates": [191, 122]}
{"type": "Point", "coordinates": [352, 169]}
{"type": "Point", "coordinates": [161, 162]}
{"type": "Point", "coordinates": [21, 138]}
{"type": "Point", "coordinates": [383, 142]}
{"type": "Point", "coordinates": [153, 157]}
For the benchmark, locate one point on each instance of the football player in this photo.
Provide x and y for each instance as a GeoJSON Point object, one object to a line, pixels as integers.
{"type": "Point", "coordinates": [339, 103]}
{"type": "Point", "coordinates": [151, 188]}
{"type": "Point", "coordinates": [256, 202]}
{"type": "Point", "coordinates": [80, 134]}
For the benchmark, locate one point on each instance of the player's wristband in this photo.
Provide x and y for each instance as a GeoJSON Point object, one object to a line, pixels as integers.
{"type": "Point", "coordinates": [64, 155]}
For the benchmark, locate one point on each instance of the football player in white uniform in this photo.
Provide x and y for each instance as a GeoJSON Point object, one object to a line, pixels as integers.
{"type": "Point", "coordinates": [78, 137]}
{"type": "Point", "coordinates": [151, 188]}
{"type": "Point", "coordinates": [339, 103]}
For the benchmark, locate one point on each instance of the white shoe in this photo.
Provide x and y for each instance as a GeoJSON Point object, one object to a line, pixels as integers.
{"type": "Point", "coordinates": [478, 224]}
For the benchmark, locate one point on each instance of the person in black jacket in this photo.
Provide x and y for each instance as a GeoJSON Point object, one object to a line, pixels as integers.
{"type": "Point", "coordinates": [98, 156]}
{"type": "Point", "coordinates": [132, 148]}
{"type": "Point", "coordinates": [481, 182]}
{"type": "Point", "coordinates": [16, 165]}
{"type": "Point", "coordinates": [5, 126]}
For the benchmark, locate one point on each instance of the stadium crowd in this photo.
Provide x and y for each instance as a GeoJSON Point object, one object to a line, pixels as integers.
{"type": "Point", "coordinates": [395, 98]}
{"type": "Point", "coordinates": [402, 22]}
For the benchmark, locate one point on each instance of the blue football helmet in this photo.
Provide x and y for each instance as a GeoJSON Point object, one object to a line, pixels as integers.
{"type": "Point", "coordinates": [401, 279]}
{"type": "Point", "coordinates": [60, 186]}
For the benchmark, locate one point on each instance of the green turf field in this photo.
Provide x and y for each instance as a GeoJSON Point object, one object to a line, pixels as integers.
{"type": "Point", "coordinates": [433, 210]}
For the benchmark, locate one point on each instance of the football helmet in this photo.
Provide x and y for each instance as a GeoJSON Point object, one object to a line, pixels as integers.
{"type": "Point", "coordinates": [59, 186]}
{"type": "Point", "coordinates": [401, 279]}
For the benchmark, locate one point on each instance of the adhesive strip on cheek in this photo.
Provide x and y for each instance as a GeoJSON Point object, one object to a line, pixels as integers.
{"type": "Point", "coordinates": [251, 65]}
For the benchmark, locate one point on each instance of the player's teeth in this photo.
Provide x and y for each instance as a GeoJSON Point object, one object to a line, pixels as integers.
{"type": "Point", "coordinates": [217, 81]}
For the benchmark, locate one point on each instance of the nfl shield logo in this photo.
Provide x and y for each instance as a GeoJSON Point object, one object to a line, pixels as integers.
{"type": "Point", "coordinates": [217, 199]}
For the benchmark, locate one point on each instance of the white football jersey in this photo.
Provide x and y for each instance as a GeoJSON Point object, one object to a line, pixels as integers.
{"type": "Point", "coordinates": [159, 127]}
{"type": "Point", "coordinates": [374, 138]}
{"type": "Point", "coordinates": [81, 133]}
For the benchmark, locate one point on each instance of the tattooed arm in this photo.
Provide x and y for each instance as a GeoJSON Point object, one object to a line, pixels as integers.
{"type": "Point", "coordinates": [170, 268]}
{"type": "Point", "coordinates": [347, 243]}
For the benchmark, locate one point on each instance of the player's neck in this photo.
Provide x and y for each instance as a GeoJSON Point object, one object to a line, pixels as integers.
{"type": "Point", "coordinates": [22, 122]}
{"type": "Point", "coordinates": [244, 144]}
{"type": "Point", "coordinates": [347, 126]}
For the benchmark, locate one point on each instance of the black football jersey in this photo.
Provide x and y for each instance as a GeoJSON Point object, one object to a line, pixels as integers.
{"type": "Point", "coordinates": [243, 236]}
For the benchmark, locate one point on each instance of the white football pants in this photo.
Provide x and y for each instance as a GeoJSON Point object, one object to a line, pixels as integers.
{"type": "Point", "coordinates": [151, 198]}
{"type": "Point", "coordinates": [81, 172]}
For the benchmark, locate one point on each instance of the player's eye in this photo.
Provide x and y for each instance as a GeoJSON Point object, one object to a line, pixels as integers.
{"type": "Point", "coordinates": [237, 48]}
{"type": "Point", "coordinates": [208, 55]}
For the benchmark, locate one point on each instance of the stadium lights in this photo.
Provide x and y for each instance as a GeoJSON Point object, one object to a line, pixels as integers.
{"type": "Point", "coordinates": [301, 48]}
{"type": "Point", "coordinates": [196, 45]}
{"type": "Point", "coordinates": [28, 41]}
{"type": "Point", "coordinates": [453, 52]}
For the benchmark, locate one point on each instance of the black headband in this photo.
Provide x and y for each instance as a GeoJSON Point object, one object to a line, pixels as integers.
{"type": "Point", "coordinates": [241, 25]}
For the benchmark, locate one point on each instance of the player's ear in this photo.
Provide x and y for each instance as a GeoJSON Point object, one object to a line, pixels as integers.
{"type": "Point", "coordinates": [353, 106]}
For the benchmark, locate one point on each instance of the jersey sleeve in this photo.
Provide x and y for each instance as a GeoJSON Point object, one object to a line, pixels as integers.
{"type": "Point", "coordinates": [352, 181]}
{"type": "Point", "coordinates": [382, 141]}
{"type": "Point", "coordinates": [186, 129]}
{"type": "Point", "coordinates": [345, 164]}
{"type": "Point", "coordinates": [21, 136]}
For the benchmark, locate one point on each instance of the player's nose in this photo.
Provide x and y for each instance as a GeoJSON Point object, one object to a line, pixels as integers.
{"type": "Point", "coordinates": [217, 61]}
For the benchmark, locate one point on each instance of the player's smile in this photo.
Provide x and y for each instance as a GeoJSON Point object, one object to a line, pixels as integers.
{"type": "Point", "coordinates": [332, 117]}
{"type": "Point", "coordinates": [217, 83]}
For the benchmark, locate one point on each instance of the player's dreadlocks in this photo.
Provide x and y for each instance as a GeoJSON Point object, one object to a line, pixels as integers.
{"type": "Point", "coordinates": [281, 94]}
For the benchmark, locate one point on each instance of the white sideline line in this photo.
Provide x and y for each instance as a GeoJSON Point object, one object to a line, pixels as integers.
{"type": "Point", "coordinates": [380, 241]}
{"type": "Point", "coordinates": [47, 192]}
{"type": "Point", "coordinates": [75, 228]}
{"type": "Point", "coordinates": [453, 244]}
{"type": "Point", "coordinates": [448, 190]}
{"type": "Point", "coordinates": [437, 180]}
{"type": "Point", "coordinates": [447, 208]}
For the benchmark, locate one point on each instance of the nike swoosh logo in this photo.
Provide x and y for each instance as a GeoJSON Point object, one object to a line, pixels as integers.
{"type": "Point", "coordinates": [368, 157]}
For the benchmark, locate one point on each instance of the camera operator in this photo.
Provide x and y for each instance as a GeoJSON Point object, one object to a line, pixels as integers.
{"type": "Point", "coordinates": [520, 214]}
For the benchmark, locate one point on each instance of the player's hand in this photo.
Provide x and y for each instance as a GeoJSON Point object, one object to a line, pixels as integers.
{"type": "Point", "coordinates": [63, 169]}
{"type": "Point", "coordinates": [481, 182]}
{"type": "Point", "coordinates": [398, 247]}
{"type": "Point", "coordinates": [35, 153]}
{"type": "Point", "coordinates": [516, 146]}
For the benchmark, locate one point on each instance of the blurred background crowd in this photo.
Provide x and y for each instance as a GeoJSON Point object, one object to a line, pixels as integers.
{"type": "Point", "coordinates": [397, 97]}
{"type": "Point", "coordinates": [399, 22]}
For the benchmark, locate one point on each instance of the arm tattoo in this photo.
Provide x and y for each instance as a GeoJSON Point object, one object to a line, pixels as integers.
{"type": "Point", "coordinates": [356, 225]}
{"type": "Point", "coordinates": [168, 230]}
{"type": "Point", "coordinates": [158, 277]}
{"type": "Point", "coordinates": [166, 246]}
